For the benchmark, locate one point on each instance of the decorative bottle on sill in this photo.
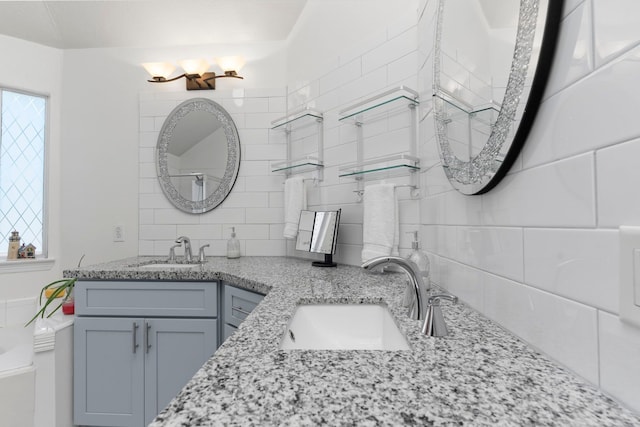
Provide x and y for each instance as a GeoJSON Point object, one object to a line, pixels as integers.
{"type": "Point", "coordinates": [14, 245]}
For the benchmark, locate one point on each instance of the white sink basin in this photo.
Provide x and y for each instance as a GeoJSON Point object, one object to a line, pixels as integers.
{"type": "Point", "coordinates": [343, 327]}
{"type": "Point", "coordinates": [167, 265]}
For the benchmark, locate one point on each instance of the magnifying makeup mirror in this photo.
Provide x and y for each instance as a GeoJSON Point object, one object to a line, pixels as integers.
{"type": "Point", "coordinates": [318, 233]}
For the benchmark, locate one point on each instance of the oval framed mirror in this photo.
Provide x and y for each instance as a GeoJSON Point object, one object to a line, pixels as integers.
{"type": "Point", "coordinates": [198, 155]}
{"type": "Point", "coordinates": [492, 60]}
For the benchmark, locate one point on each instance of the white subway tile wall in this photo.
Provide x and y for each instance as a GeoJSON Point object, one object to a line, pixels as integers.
{"type": "Point", "coordinates": [254, 206]}
{"type": "Point", "coordinates": [538, 254]}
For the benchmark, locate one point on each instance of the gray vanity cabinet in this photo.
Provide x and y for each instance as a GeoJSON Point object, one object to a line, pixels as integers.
{"type": "Point", "coordinates": [237, 305]}
{"type": "Point", "coordinates": [108, 375]}
{"type": "Point", "coordinates": [136, 344]}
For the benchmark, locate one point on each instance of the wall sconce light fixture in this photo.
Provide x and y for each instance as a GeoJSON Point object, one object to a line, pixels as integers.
{"type": "Point", "coordinates": [195, 72]}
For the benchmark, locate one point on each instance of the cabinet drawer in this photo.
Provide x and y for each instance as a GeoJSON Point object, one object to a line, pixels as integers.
{"type": "Point", "coordinates": [238, 303]}
{"type": "Point", "coordinates": [134, 298]}
{"type": "Point", "coordinates": [227, 331]}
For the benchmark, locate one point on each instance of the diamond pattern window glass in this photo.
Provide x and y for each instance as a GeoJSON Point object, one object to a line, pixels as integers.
{"type": "Point", "coordinates": [22, 161]}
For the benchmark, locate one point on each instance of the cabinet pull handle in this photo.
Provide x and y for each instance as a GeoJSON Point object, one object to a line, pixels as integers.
{"type": "Point", "coordinates": [146, 337]}
{"type": "Point", "coordinates": [135, 333]}
{"type": "Point", "coordinates": [246, 313]}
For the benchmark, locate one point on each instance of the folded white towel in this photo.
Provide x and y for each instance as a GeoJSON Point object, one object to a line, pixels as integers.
{"type": "Point", "coordinates": [295, 200]}
{"type": "Point", "coordinates": [380, 228]}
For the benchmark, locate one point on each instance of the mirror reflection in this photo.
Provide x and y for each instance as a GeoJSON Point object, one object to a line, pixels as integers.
{"type": "Point", "coordinates": [318, 232]}
{"type": "Point", "coordinates": [476, 59]}
{"type": "Point", "coordinates": [198, 155]}
{"type": "Point", "coordinates": [491, 63]}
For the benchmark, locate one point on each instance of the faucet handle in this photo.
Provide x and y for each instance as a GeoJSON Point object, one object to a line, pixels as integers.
{"type": "Point", "coordinates": [201, 256]}
{"type": "Point", "coordinates": [434, 324]}
{"type": "Point", "coordinates": [435, 299]}
{"type": "Point", "coordinates": [172, 252]}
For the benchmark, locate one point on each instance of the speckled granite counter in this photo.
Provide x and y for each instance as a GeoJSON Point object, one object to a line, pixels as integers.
{"type": "Point", "coordinates": [479, 375]}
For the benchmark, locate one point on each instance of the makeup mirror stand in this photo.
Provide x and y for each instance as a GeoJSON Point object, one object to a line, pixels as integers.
{"type": "Point", "coordinates": [328, 262]}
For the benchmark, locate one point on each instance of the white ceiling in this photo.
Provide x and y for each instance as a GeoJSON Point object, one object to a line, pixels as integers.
{"type": "Point", "coordinates": [148, 23]}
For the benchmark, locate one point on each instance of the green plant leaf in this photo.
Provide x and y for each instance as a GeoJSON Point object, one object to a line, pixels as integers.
{"type": "Point", "coordinates": [61, 285]}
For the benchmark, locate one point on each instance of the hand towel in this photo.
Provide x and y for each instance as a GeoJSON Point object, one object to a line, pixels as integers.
{"type": "Point", "coordinates": [380, 228]}
{"type": "Point", "coordinates": [295, 200]}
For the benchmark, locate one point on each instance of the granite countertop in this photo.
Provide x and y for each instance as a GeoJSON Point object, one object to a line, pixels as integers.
{"type": "Point", "coordinates": [479, 375]}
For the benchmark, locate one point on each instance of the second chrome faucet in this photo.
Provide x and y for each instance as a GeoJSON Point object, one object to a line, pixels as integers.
{"type": "Point", "coordinates": [422, 306]}
{"type": "Point", "coordinates": [188, 256]}
{"type": "Point", "coordinates": [418, 308]}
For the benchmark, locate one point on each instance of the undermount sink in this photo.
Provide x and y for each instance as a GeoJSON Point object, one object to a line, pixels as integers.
{"type": "Point", "coordinates": [343, 327]}
{"type": "Point", "coordinates": [163, 265]}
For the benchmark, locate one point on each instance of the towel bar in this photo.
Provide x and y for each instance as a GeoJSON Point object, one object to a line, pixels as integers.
{"type": "Point", "coordinates": [315, 181]}
{"type": "Point", "coordinates": [415, 191]}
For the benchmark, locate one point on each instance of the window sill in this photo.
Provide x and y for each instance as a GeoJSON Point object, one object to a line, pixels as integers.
{"type": "Point", "coordinates": [20, 266]}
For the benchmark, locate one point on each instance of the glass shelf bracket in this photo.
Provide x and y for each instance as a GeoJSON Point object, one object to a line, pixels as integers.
{"type": "Point", "coordinates": [299, 116]}
{"type": "Point", "coordinates": [394, 101]}
{"type": "Point", "coordinates": [303, 164]}
{"type": "Point", "coordinates": [402, 162]}
{"type": "Point", "coordinates": [296, 120]}
{"type": "Point", "coordinates": [386, 102]}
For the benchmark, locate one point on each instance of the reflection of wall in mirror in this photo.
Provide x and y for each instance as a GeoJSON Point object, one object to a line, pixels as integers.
{"type": "Point", "coordinates": [317, 231]}
{"type": "Point", "coordinates": [208, 157]}
{"type": "Point", "coordinates": [305, 230]}
{"type": "Point", "coordinates": [465, 72]}
{"type": "Point", "coordinates": [477, 47]}
{"type": "Point", "coordinates": [323, 232]}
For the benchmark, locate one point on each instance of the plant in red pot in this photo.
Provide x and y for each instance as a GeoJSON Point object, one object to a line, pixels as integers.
{"type": "Point", "coordinates": [59, 289]}
{"type": "Point", "coordinates": [62, 288]}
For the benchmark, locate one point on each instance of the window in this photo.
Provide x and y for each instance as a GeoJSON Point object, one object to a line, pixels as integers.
{"type": "Point", "coordinates": [23, 120]}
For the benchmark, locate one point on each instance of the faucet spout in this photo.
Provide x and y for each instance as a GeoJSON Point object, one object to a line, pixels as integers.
{"type": "Point", "coordinates": [187, 247]}
{"type": "Point", "coordinates": [418, 309]}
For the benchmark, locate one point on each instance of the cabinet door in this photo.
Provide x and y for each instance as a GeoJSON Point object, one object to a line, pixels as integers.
{"type": "Point", "coordinates": [108, 372]}
{"type": "Point", "coordinates": [174, 350]}
{"type": "Point", "coordinates": [227, 331]}
{"type": "Point", "coordinates": [238, 303]}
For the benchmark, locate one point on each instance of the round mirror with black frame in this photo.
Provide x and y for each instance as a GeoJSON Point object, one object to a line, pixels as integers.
{"type": "Point", "coordinates": [198, 155]}
{"type": "Point", "coordinates": [492, 60]}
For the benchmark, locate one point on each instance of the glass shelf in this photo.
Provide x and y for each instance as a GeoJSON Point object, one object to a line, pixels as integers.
{"type": "Point", "coordinates": [479, 119]}
{"type": "Point", "coordinates": [488, 108]}
{"type": "Point", "coordinates": [300, 115]}
{"type": "Point", "coordinates": [387, 102]}
{"type": "Point", "coordinates": [400, 164]}
{"type": "Point", "coordinates": [304, 164]}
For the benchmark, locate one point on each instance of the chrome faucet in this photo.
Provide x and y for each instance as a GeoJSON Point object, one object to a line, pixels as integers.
{"type": "Point", "coordinates": [187, 247]}
{"type": "Point", "coordinates": [418, 307]}
{"type": "Point", "coordinates": [201, 256]}
{"type": "Point", "coordinates": [172, 253]}
{"type": "Point", "coordinates": [434, 325]}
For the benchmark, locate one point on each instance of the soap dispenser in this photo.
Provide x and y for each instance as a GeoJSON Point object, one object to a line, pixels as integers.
{"type": "Point", "coordinates": [420, 259]}
{"type": "Point", "coordinates": [233, 245]}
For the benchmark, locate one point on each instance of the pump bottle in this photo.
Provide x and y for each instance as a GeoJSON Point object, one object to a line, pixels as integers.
{"type": "Point", "coordinates": [233, 245]}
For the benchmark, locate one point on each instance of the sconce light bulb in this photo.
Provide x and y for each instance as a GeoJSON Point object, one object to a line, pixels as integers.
{"type": "Point", "coordinates": [159, 70]}
{"type": "Point", "coordinates": [230, 63]}
{"type": "Point", "coordinates": [194, 66]}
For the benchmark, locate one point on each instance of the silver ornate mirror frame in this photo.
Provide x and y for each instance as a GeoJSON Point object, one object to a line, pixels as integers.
{"type": "Point", "coordinates": [233, 155]}
{"type": "Point", "coordinates": [483, 171]}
